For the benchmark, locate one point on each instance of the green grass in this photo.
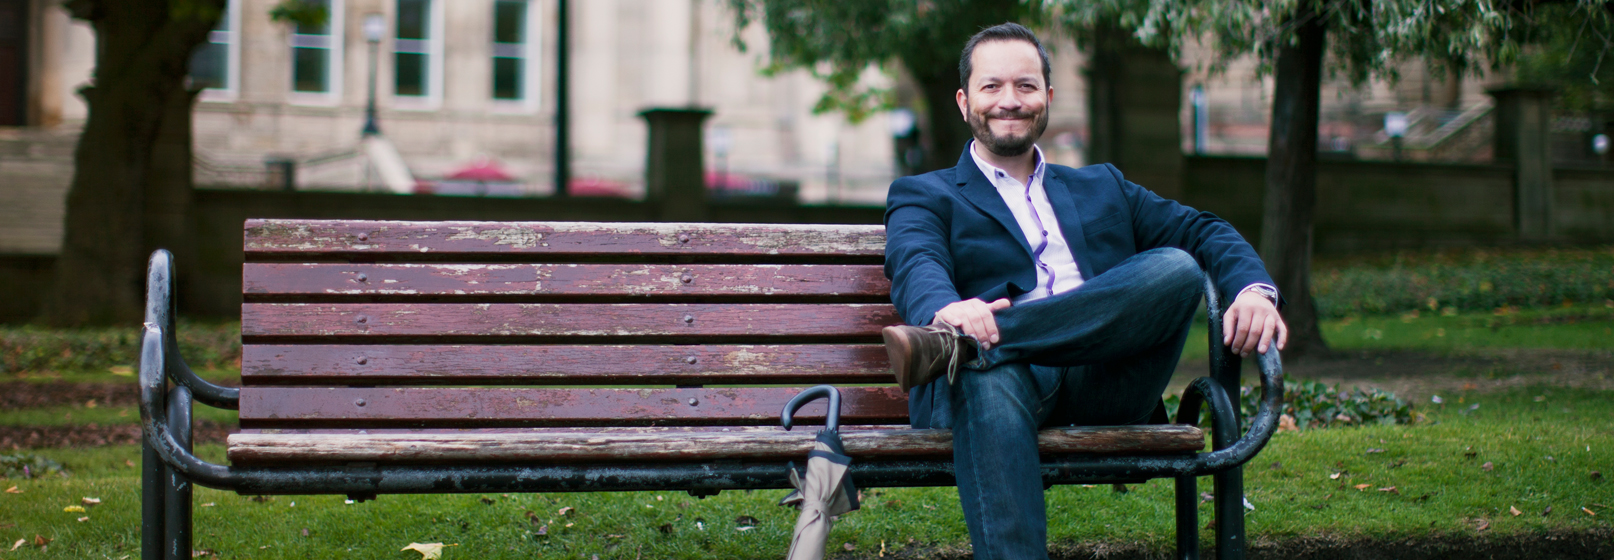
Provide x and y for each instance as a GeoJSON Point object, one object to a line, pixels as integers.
{"type": "Point", "coordinates": [1542, 454]}
{"type": "Point", "coordinates": [104, 415]}
{"type": "Point", "coordinates": [1585, 327]}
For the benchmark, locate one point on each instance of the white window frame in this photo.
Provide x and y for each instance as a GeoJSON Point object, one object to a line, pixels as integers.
{"type": "Point", "coordinates": [532, 66]}
{"type": "Point", "coordinates": [232, 57]}
{"type": "Point", "coordinates": [336, 43]}
{"type": "Point", "coordinates": [434, 62]}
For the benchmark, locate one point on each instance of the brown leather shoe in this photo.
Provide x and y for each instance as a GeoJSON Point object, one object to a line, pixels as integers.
{"type": "Point", "coordinates": [919, 354]}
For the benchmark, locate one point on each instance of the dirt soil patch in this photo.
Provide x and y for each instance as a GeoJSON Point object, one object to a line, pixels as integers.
{"type": "Point", "coordinates": [1577, 545]}
{"type": "Point", "coordinates": [92, 435]}
{"type": "Point", "coordinates": [1416, 376]}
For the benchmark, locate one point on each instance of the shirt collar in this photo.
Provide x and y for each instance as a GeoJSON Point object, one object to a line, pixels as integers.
{"type": "Point", "coordinates": [994, 174]}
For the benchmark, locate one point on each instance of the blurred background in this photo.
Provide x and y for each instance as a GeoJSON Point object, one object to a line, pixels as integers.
{"type": "Point", "coordinates": [452, 109]}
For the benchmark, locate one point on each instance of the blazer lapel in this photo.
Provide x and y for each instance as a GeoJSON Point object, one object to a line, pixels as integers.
{"type": "Point", "coordinates": [980, 192]}
{"type": "Point", "coordinates": [1070, 219]}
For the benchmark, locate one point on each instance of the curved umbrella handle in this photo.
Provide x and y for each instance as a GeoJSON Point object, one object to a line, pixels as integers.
{"type": "Point", "coordinates": [832, 422]}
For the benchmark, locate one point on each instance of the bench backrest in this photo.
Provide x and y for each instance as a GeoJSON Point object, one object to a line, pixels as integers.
{"type": "Point", "coordinates": [375, 325]}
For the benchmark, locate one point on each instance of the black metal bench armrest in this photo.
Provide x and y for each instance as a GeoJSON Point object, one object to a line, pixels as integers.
{"type": "Point", "coordinates": [160, 313]}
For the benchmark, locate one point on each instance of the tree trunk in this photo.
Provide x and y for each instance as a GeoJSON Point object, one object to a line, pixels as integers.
{"type": "Point", "coordinates": [945, 132]}
{"type": "Point", "coordinates": [1291, 181]}
{"type": "Point", "coordinates": [143, 49]}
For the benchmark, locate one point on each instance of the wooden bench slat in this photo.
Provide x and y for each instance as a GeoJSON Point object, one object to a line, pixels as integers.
{"type": "Point", "coordinates": [651, 445]}
{"type": "Point", "coordinates": [339, 364]}
{"type": "Point", "coordinates": [446, 320]}
{"type": "Point", "coordinates": [593, 280]}
{"type": "Point", "coordinates": [429, 240]}
{"type": "Point", "coordinates": [423, 407]}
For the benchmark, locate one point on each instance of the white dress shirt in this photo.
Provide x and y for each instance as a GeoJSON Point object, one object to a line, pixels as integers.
{"type": "Point", "coordinates": [1056, 258]}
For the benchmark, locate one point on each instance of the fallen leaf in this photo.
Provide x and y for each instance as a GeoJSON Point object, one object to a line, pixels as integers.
{"type": "Point", "coordinates": [565, 511]}
{"type": "Point", "coordinates": [616, 536]}
{"type": "Point", "coordinates": [487, 500]}
{"type": "Point", "coordinates": [121, 370]}
{"type": "Point", "coordinates": [1375, 450]}
{"type": "Point", "coordinates": [1483, 525]}
{"type": "Point", "coordinates": [209, 504]}
{"type": "Point", "coordinates": [74, 509]}
{"type": "Point", "coordinates": [849, 547]}
{"type": "Point", "coordinates": [1487, 466]}
{"type": "Point", "coordinates": [1286, 423]}
{"type": "Point", "coordinates": [745, 521]}
{"type": "Point", "coordinates": [40, 540]}
{"type": "Point", "coordinates": [570, 524]}
{"type": "Point", "coordinates": [1390, 489]}
{"type": "Point", "coordinates": [1515, 511]}
{"type": "Point", "coordinates": [14, 490]}
{"type": "Point", "coordinates": [1363, 486]}
{"type": "Point", "coordinates": [204, 552]}
{"type": "Point", "coordinates": [1589, 512]}
{"type": "Point", "coordinates": [128, 463]}
{"type": "Point", "coordinates": [1334, 476]}
{"type": "Point", "coordinates": [18, 544]}
{"type": "Point", "coordinates": [83, 519]}
{"type": "Point", "coordinates": [305, 531]}
{"type": "Point", "coordinates": [91, 501]}
{"type": "Point", "coordinates": [882, 548]}
{"type": "Point", "coordinates": [91, 404]}
{"type": "Point", "coordinates": [1546, 511]}
{"type": "Point", "coordinates": [428, 551]}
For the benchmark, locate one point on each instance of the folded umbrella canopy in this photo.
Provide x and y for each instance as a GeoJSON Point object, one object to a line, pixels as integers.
{"type": "Point", "coordinates": [826, 490]}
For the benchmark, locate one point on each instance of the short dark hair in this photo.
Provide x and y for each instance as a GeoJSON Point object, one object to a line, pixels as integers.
{"type": "Point", "coordinates": [1001, 32]}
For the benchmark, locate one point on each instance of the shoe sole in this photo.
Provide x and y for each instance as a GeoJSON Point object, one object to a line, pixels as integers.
{"type": "Point", "coordinates": [900, 350]}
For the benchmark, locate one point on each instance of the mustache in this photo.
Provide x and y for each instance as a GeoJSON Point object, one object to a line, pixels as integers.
{"type": "Point", "coordinates": [1011, 115]}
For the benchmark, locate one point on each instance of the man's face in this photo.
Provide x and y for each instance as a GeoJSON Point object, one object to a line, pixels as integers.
{"type": "Point", "coordinates": [1006, 104]}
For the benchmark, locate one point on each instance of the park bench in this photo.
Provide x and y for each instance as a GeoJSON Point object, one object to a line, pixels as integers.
{"type": "Point", "coordinates": [478, 357]}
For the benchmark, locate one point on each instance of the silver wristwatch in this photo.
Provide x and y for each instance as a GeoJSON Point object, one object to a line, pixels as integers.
{"type": "Point", "coordinates": [1266, 292]}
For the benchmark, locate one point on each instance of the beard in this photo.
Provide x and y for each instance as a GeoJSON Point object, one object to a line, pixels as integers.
{"type": "Point", "coordinates": [1008, 145]}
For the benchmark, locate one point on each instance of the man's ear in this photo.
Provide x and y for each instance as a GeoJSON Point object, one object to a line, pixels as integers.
{"type": "Point", "coordinates": [963, 104]}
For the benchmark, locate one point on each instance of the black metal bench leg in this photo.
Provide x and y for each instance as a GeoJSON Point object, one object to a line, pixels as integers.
{"type": "Point", "coordinates": [153, 487]}
{"type": "Point", "coordinates": [1187, 518]}
{"type": "Point", "coordinates": [176, 489]}
{"type": "Point", "coordinates": [1229, 514]}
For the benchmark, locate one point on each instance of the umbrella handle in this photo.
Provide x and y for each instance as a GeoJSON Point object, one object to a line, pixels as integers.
{"type": "Point", "coordinates": [832, 422]}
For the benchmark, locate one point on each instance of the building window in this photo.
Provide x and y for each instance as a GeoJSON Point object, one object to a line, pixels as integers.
{"type": "Point", "coordinates": [315, 60]}
{"type": "Point", "coordinates": [416, 56]}
{"type": "Point", "coordinates": [214, 63]}
{"type": "Point", "coordinates": [509, 49]}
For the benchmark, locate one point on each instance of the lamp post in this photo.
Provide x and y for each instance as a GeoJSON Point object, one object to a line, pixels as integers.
{"type": "Point", "coordinates": [1395, 125]}
{"type": "Point", "coordinates": [374, 26]}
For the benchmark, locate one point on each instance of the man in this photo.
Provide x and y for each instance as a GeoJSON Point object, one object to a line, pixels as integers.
{"type": "Point", "coordinates": [1043, 295]}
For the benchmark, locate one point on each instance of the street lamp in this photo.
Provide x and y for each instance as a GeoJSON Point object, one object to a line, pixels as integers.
{"type": "Point", "coordinates": [374, 26]}
{"type": "Point", "coordinates": [1395, 125]}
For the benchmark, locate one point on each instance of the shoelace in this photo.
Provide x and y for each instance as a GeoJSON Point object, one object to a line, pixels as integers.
{"type": "Point", "coordinates": [952, 349]}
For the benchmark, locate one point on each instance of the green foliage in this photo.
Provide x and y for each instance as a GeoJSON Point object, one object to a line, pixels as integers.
{"type": "Point", "coordinates": [300, 12]}
{"type": "Point", "coordinates": [1464, 281]}
{"type": "Point", "coordinates": [1317, 405]}
{"type": "Point", "coordinates": [1572, 57]}
{"type": "Point", "coordinates": [838, 41]}
{"type": "Point", "coordinates": [35, 349]}
{"type": "Point", "coordinates": [1364, 38]}
{"type": "Point", "coordinates": [28, 465]}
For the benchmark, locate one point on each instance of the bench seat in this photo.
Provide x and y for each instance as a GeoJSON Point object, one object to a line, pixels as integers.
{"type": "Point", "coordinates": [748, 443]}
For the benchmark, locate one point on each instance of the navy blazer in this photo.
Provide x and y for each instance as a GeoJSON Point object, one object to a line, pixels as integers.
{"type": "Point", "coordinates": [950, 237]}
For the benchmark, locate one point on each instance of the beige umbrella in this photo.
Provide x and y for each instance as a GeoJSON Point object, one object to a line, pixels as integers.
{"type": "Point", "coordinates": [826, 490]}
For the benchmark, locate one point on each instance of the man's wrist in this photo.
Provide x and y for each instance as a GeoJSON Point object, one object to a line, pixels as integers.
{"type": "Point", "coordinates": [1264, 290]}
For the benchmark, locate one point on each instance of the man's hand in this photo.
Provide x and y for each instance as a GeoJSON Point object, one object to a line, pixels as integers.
{"type": "Point", "coordinates": [1250, 324]}
{"type": "Point", "coordinates": [975, 318]}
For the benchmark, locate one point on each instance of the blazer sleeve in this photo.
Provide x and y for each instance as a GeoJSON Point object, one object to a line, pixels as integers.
{"type": "Point", "coordinates": [1159, 222]}
{"type": "Point", "coordinates": [917, 256]}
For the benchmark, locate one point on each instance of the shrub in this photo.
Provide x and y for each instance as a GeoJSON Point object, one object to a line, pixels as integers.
{"type": "Point", "coordinates": [1311, 404]}
{"type": "Point", "coordinates": [27, 348]}
{"type": "Point", "coordinates": [1466, 280]}
{"type": "Point", "coordinates": [28, 465]}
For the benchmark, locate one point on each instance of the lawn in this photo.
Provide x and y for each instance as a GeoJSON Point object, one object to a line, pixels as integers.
{"type": "Point", "coordinates": [1462, 471]}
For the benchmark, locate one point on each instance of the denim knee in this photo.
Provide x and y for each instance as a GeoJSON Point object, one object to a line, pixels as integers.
{"type": "Point", "coordinates": [1173, 267]}
{"type": "Point", "coordinates": [1006, 394]}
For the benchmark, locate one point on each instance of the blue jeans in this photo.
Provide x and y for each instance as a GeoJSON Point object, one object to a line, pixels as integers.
{"type": "Point", "coordinates": [1098, 355]}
